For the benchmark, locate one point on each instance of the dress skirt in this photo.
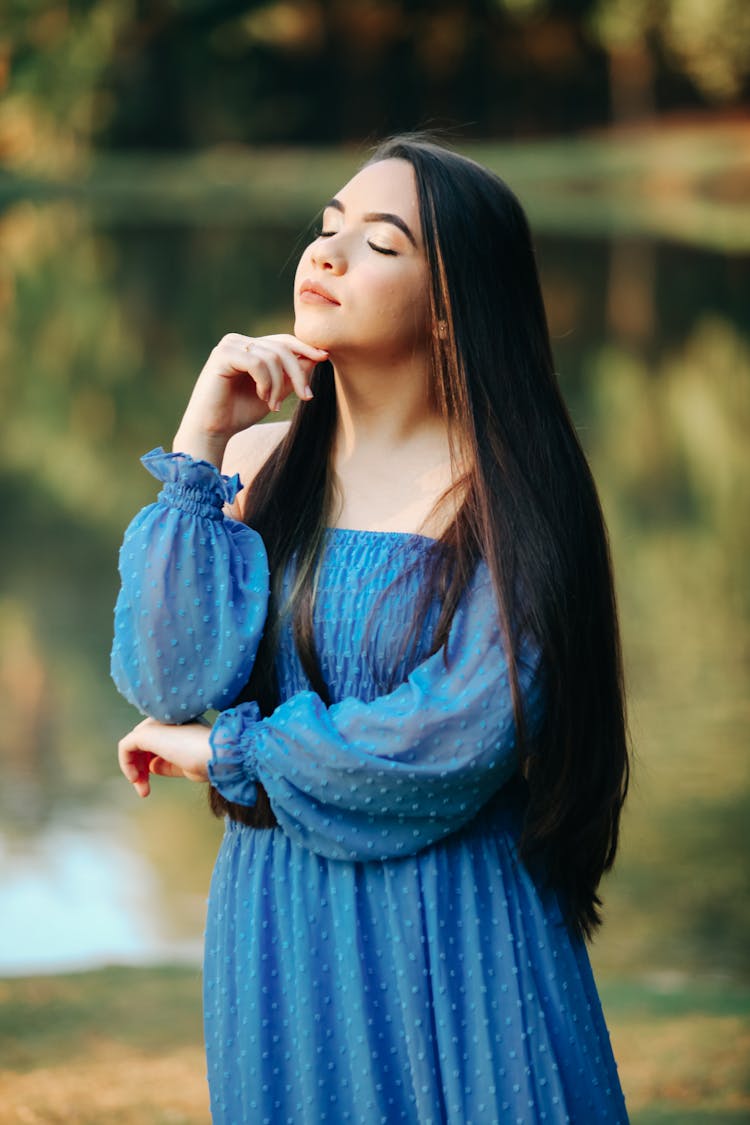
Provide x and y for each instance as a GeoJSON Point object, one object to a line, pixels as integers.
{"type": "Point", "coordinates": [439, 988]}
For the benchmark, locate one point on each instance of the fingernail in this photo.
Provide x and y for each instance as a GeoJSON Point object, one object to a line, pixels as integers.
{"type": "Point", "coordinates": [308, 391]}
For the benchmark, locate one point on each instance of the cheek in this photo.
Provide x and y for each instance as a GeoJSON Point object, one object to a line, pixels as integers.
{"type": "Point", "coordinates": [398, 299]}
{"type": "Point", "coordinates": [303, 268]}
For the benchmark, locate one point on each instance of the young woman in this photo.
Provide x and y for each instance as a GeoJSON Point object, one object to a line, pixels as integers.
{"type": "Point", "coordinates": [402, 605]}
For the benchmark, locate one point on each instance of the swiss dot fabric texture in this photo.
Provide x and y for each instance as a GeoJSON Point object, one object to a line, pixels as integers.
{"type": "Point", "coordinates": [382, 955]}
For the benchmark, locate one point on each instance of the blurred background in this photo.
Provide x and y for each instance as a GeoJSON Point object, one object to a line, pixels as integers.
{"type": "Point", "coordinates": [161, 164]}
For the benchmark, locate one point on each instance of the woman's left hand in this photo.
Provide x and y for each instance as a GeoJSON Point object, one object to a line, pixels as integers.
{"type": "Point", "coordinates": [170, 751]}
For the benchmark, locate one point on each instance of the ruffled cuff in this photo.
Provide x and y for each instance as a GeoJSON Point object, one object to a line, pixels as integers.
{"type": "Point", "coordinates": [192, 485]}
{"type": "Point", "coordinates": [232, 764]}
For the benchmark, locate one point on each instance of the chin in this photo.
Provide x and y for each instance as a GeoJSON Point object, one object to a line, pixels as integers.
{"type": "Point", "coordinates": [311, 333]}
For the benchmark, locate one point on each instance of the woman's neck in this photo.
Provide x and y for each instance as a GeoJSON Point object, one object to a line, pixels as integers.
{"type": "Point", "coordinates": [383, 407]}
{"type": "Point", "coordinates": [391, 453]}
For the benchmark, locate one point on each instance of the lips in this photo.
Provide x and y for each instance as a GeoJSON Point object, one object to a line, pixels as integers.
{"type": "Point", "coordinates": [314, 290]}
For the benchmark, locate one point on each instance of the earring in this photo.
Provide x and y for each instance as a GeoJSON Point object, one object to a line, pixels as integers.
{"type": "Point", "coordinates": [442, 329]}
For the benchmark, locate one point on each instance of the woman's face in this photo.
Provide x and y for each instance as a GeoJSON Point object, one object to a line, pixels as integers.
{"type": "Point", "coordinates": [361, 286]}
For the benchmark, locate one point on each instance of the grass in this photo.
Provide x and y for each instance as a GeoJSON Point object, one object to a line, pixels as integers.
{"type": "Point", "coordinates": [682, 1049]}
{"type": "Point", "coordinates": [120, 1046]}
{"type": "Point", "coordinates": [124, 1046]}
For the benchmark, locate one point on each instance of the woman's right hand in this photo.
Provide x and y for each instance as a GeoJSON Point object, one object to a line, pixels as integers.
{"type": "Point", "coordinates": [243, 379]}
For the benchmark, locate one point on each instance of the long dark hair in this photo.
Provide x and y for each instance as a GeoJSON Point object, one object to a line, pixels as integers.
{"type": "Point", "coordinates": [529, 508]}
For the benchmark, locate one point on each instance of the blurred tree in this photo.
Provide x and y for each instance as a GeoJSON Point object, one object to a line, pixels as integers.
{"type": "Point", "coordinates": [622, 27]}
{"type": "Point", "coordinates": [176, 74]}
{"type": "Point", "coordinates": [54, 59]}
{"type": "Point", "coordinates": [706, 40]}
{"type": "Point", "coordinates": [711, 42]}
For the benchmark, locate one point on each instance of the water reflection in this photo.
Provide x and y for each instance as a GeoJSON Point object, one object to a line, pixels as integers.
{"type": "Point", "coordinates": [79, 896]}
{"type": "Point", "coordinates": [105, 325]}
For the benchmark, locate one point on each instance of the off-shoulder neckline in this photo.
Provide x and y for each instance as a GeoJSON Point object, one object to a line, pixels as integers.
{"type": "Point", "coordinates": [382, 534]}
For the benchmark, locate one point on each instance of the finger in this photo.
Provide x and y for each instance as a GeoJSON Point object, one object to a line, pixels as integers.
{"type": "Point", "coordinates": [164, 768]}
{"type": "Point", "coordinates": [299, 347]}
{"type": "Point", "coordinates": [135, 769]}
{"type": "Point", "coordinates": [296, 368]}
{"type": "Point", "coordinates": [295, 345]}
{"type": "Point", "coordinates": [130, 759]}
{"type": "Point", "coordinates": [275, 368]}
{"type": "Point", "coordinates": [134, 763]}
{"type": "Point", "coordinates": [139, 779]}
{"type": "Point", "coordinates": [265, 368]}
{"type": "Point", "coordinates": [249, 361]}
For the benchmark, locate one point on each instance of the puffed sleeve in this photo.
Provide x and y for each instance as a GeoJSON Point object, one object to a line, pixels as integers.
{"type": "Point", "coordinates": [193, 597]}
{"type": "Point", "coordinates": [374, 780]}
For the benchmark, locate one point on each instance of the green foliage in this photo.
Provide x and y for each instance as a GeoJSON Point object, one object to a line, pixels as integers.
{"type": "Point", "coordinates": [116, 75]}
{"type": "Point", "coordinates": [57, 100]}
{"type": "Point", "coordinates": [709, 42]}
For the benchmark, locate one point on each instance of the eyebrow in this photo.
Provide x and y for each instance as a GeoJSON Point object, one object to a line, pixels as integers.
{"type": "Point", "coordinates": [377, 217]}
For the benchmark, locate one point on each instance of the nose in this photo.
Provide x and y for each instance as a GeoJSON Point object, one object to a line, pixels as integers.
{"type": "Point", "coordinates": [327, 255]}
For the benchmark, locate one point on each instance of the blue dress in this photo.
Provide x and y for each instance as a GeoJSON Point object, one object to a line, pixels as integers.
{"type": "Point", "coordinates": [382, 955]}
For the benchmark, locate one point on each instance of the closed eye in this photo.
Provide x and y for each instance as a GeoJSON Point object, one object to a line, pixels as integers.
{"type": "Point", "coordinates": [372, 245]}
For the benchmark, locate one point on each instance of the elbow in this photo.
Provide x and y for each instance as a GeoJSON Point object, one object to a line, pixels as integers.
{"type": "Point", "coordinates": [164, 695]}
{"type": "Point", "coordinates": [149, 699]}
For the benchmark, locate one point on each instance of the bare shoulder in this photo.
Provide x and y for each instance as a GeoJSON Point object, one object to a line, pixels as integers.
{"type": "Point", "coordinates": [247, 452]}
